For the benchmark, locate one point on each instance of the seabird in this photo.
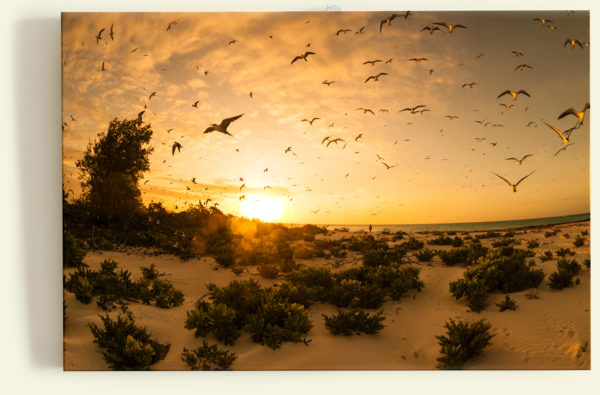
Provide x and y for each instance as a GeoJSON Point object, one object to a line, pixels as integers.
{"type": "Point", "coordinates": [222, 127]}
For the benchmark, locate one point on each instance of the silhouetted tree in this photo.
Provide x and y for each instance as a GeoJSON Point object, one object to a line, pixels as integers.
{"type": "Point", "coordinates": [111, 168]}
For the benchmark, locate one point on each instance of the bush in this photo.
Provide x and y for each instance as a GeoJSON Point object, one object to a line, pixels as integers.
{"type": "Point", "coordinates": [268, 271]}
{"type": "Point", "coordinates": [126, 346]}
{"type": "Point", "coordinates": [73, 253]}
{"type": "Point", "coordinates": [412, 244]}
{"type": "Point", "coordinates": [463, 340]}
{"type": "Point", "coordinates": [563, 252]}
{"type": "Point", "coordinates": [507, 304]}
{"type": "Point", "coordinates": [502, 270]}
{"type": "Point", "coordinates": [208, 357]}
{"type": "Point", "coordinates": [531, 244]}
{"type": "Point", "coordinates": [441, 241]}
{"type": "Point", "coordinates": [307, 286]}
{"type": "Point", "coordinates": [304, 252]}
{"type": "Point", "coordinates": [504, 242]}
{"type": "Point", "coordinates": [587, 262]}
{"type": "Point", "coordinates": [563, 277]}
{"type": "Point", "coordinates": [551, 233]}
{"type": "Point", "coordinates": [355, 321]}
{"type": "Point", "coordinates": [425, 255]}
{"type": "Point", "coordinates": [547, 256]}
{"type": "Point", "coordinates": [467, 255]}
{"type": "Point", "coordinates": [487, 235]}
{"type": "Point", "coordinates": [579, 241]}
{"type": "Point", "coordinates": [381, 257]}
{"type": "Point", "coordinates": [217, 319]}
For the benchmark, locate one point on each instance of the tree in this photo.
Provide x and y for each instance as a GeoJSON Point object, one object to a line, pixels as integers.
{"type": "Point", "coordinates": [111, 168]}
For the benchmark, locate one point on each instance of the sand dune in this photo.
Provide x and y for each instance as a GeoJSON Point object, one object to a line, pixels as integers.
{"type": "Point", "coordinates": [544, 333]}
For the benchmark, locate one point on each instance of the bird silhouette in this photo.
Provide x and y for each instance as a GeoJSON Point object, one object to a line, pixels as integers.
{"type": "Point", "coordinates": [517, 53]}
{"type": "Point", "coordinates": [412, 109]}
{"type": "Point", "coordinates": [133, 50]}
{"type": "Point", "coordinates": [232, 42]}
{"type": "Point", "coordinates": [139, 117]}
{"type": "Point", "coordinates": [507, 106]}
{"type": "Point", "coordinates": [430, 29]}
{"type": "Point", "coordinates": [325, 82]}
{"type": "Point", "coordinates": [365, 110]}
{"type": "Point", "coordinates": [251, 95]}
{"type": "Point", "coordinates": [387, 167]}
{"type": "Point", "coordinates": [242, 187]}
{"type": "Point", "coordinates": [194, 180]}
{"type": "Point", "coordinates": [563, 136]}
{"type": "Point", "coordinates": [112, 33]}
{"type": "Point", "coordinates": [417, 60]}
{"type": "Point", "coordinates": [451, 117]}
{"type": "Point", "coordinates": [325, 139]}
{"type": "Point", "coordinates": [151, 95]}
{"type": "Point", "coordinates": [513, 94]}
{"type": "Point", "coordinates": [562, 149]}
{"type": "Point", "coordinates": [513, 186]}
{"type": "Point", "coordinates": [573, 42]}
{"type": "Point", "coordinates": [375, 77]}
{"type": "Point", "coordinates": [172, 23]}
{"type": "Point", "coordinates": [469, 84]}
{"type": "Point", "coordinates": [196, 103]}
{"type": "Point", "coordinates": [519, 161]}
{"type": "Point", "coordinates": [450, 27]}
{"type": "Point", "coordinates": [342, 31]}
{"type": "Point", "coordinates": [358, 137]}
{"type": "Point", "coordinates": [579, 114]}
{"type": "Point", "coordinates": [176, 146]}
{"type": "Point", "coordinates": [288, 149]}
{"type": "Point", "coordinates": [222, 127]}
{"type": "Point", "coordinates": [372, 62]}
{"type": "Point", "coordinates": [310, 121]}
{"type": "Point", "coordinates": [304, 56]}
{"type": "Point", "coordinates": [99, 36]}
{"type": "Point", "coordinates": [102, 67]}
{"type": "Point", "coordinates": [242, 197]}
{"type": "Point", "coordinates": [543, 21]}
{"type": "Point", "coordinates": [521, 67]}
{"type": "Point", "coordinates": [360, 31]}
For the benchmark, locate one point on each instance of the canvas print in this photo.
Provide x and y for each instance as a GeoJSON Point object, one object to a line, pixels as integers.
{"type": "Point", "coordinates": [326, 190]}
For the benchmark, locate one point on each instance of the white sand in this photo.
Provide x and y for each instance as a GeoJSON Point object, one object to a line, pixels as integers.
{"type": "Point", "coordinates": [544, 333]}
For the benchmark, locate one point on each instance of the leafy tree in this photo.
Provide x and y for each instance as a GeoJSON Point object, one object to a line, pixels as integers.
{"type": "Point", "coordinates": [111, 168]}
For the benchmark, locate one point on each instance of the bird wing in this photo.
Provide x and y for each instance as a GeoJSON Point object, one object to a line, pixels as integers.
{"type": "Point", "coordinates": [225, 123]}
{"type": "Point", "coordinates": [325, 139]}
{"type": "Point", "coordinates": [173, 149]}
{"type": "Point", "coordinates": [526, 156]}
{"type": "Point", "coordinates": [503, 93]}
{"type": "Point", "coordinates": [209, 129]}
{"type": "Point", "coordinates": [406, 109]}
{"type": "Point", "coordinates": [419, 106]}
{"type": "Point", "coordinates": [314, 119]}
{"type": "Point", "coordinates": [513, 158]}
{"type": "Point", "coordinates": [380, 74]}
{"type": "Point", "coordinates": [505, 180]}
{"type": "Point", "coordinates": [523, 92]}
{"type": "Point", "coordinates": [442, 24]}
{"type": "Point", "coordinates": [370, 77]}
{"type": "Point", "coordinates": [562, 136]}
{"type": "Point", "coordinates": [308, 53]}
{"type": "Point", "coordinates": [296, 58]}
{"type": "Point", "coordinates": [518, 182]}
{"type": "Point", "coordinates": [567, 112]}
{"type": "Point", "coordinates": [427, 28]}
{"type": "Point", "coordinates": [464, 27]}
{"type": "Point", "coordinates": [369, 110]}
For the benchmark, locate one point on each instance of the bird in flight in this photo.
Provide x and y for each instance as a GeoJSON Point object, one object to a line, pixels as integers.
{"type": "Point", "coordinates": [375, 77]}
{"type": "Point", "coordinates": [517, 53]}
{"type": "Point", "coordinates": [194, 180]}
{"type": "Point", "coordinates": [342, 31]}
{"type": "Point", "coordinates": [251, 95]}
{"type": "Point", "coordinates": [519, 161]}
{"type": "Point", "coordinates": [469, 84]}
{"type": "Point", "coordinates": [384, 110]}
{"type": "Point", "coordinates": [480, 55]}
{"type": "Point", "coordinates": [139, 116]}
{"type": "Point", "coordinates": [389, 60]}
{"type": "Point", "coordinates": [288, 149]}
{"type": "Point", "coordinates": [417, 60]}
{"type": "Point", "coordinates": [151, 95]}
{"type": "Point", "coordinates": [133, 50]}
{"type": "Point", "coordinates": [360, 31]}
{"type": "Point", "coordinates": [562, 149]}
{"type": "Point", "coordinates": [387, 167]}
{"type": "Point", "coordinates": [572, 42]}
{"type": "Point", "coordinates": [513, 186]}
{"type": "Point", "coordinates": [328, 83]}
{"type": "Point", "coordinates": [513, 94]}
{"type": "Point", "coordinates": [325, 139]}
{"type": "Point", "coordinates": [451, 117]}
{"type": "Point", "coordinates": [232, 42]}
{"type": "Point", "coordinates": [480, 139]}
{"type": "Point", "coordinates": [311, 121]}
{"type": "Point", "coordinates": [431, 29]}
{"type": "Point", "coordinates": [176, 146]}
{"type": "Point", "coordinates": [412, 109]}
{"type": "Point", "coordinates": [196, 103]}
{"type": "Point", "coordinates": [99, 36]}
{"type": "Point", "coordinates": [173, 23]}
{"type": "Point", "coordinates": [267, 187]}
{"type": "Point", "coordinates": [306, 54]}
{"type": "Point", "coordinates": [542, 20]}
{"type": "Point", "coordinates": [242, 197]}
{"type": "Point", "coordinates": [521, 67]}
{"type": "Point", "coordinates": [358, 137]}
{"type": "Point", "coordinates": [579, 114]}
{"type": "Point", "coordinates": [222, 127]}
{"type": "Point", "coordinates": [372, 62]}
{"type": "Point", "coordinates": [564, 137]}
{"type": "Point", "coordinates": [336, 140]}
{"type": "Point", "coordinates": [388, 20]}
{"type": "Point", "coordinates": [450, 27]}
{"type": "Point", "coordinates": [112, 33]}
{"type": "Point", "coordinates": [507, 106]}
{"type": "Point", "coordinates": [365, 110]}
{"type": "Point", "coordinates": [480, 122]}
{"type": "Point", "coordinates": [266, 170]}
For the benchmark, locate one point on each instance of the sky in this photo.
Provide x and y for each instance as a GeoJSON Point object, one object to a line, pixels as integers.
{"type": "Point", "coordinates": [441, 169]}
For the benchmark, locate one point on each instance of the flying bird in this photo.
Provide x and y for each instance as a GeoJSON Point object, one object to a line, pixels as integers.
{"type": "Point", "coordinates": [562, 149]}
{"type": "Point", "coordinates": [99, 36]}
{"type": "Point", "coordinates": [579, 114]}
{"type": "Point", "coordinates": [326, 82]}
{"type": "Point", "coordinates": [388, 20]}
{"type": "Point", "coordinates": [451, 117]}
{"type": "Point", "coordinates": [288, 149]}
{"type": "Point", "coordinates": [196, 103]}
{"type": "Point", "coordinates": [513, 94]}
{"type": "Point", "coordinates": [325, 139]}
{"type": "Point", "coordinates": [242, 187]}
{"type": "Point", "coordinates": [358, 137]}
{"type": "Point", "coordinates": [342, 31]}
{"type": "Point", "coordinates": [513, 186]}
{"type": "Point", "coordinates": [387, 167]}
{"type": "Point", "coordinates": [507, 106]}
{"type": "Point", "coordinates": [469, 84]}
{"type": "Point", "coordinates": [564, 138]}
{"type": "Point", "coordinates": [133, 50]}
{"type": "Point", "coordinates": [517, 53]}
{"type": "Point", "coordinates": [139, 116]}
{"type": "Point", "coordinates": [542, 20]}
{"type": "Point", "coordinates": [360, 31]}
{"type": "Point", "coordinates": [112, 33]}
{"type": "Point", "coordinates": [372, 62]}
{"type": "Point", "coordinates": [232, 42]}
{"type": "Point", "coordinates": [176, 146]}
{"type": "Point", "coordinates": [431, 29]}
{"type": "Point", "coordinates": [306, 54]}
{"type": "Point", "coordinates": [266, 170]}
{"type": "Point", "coordinates": [389, 60]}
{"type": "Point", "coordinates": [267, 187]}
{"type": "Point", "coordinates": [412, 109]}
{"type": "Point", "coordinates": [521, 67]}
{"type": "Point", "coordinates": [519, 161]}
{"type": "Point", "coordinates": [173, 23]}
{"type": "Point", "coordinates": [572, 42]}
{"type": "Point", "coordinates": [417, 60]}
{"type": "Point", "coordinates": [450, 27]}
{"type": "Point", "coordinates": [102, 67]}
{"type": "Point", "coordinates": [375, 77]}
{"type": "Point", "coordinates": [365, 110]}
{"type": "Point", "coordinates": [151, 95]}
{"type": "Point", "coordinates": [222, 127]}
{"type": "Point", "coordinates": [242, 197]}
{"type": "Point", "coordinates": [310, 121]}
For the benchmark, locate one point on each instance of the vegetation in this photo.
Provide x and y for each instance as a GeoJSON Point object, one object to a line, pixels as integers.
{"type": "Point", "coordinates": [579, 241]}
{"type": "Point", "coordinates": [507, 304]}
{"type": "Point", "coordinates": [111, 286]}
{"type": "Point", "coordinates": [563, 277]}
{"type": "Point", "coordinates": [551, 233]}
{"type": "Point", "coordinates": [354, 322]}
{"type": "Point", "coordinates": [546, 256]}
{"type": "Point", "coordinates": [531, 244]}
{"type": "Point", "coordinates": [208, 357]}
{"type": "Point", "coordinates": [502, 270]}
{"type": "Point", "coordinates": [463, 340]}
{"type": "Point", "coordinates": [126, 346]}
{"type": "Point", "coordinates": [467, 255]}
{"type": "Point", "coordinates": [425, 255]}
{"type": "Point", "coordinates": [412, 244]}
{"type": "Point", "coordinates": [564, 252]}
{"type": "Point", "coordinates": [73, 252]}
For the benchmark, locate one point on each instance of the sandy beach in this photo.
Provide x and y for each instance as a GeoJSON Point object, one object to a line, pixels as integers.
{"type": "Point", "coordinates": [551, 331]}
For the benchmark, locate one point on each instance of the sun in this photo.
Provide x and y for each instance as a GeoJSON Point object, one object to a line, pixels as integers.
{"type": "Point", "coordinates": [264, 208]}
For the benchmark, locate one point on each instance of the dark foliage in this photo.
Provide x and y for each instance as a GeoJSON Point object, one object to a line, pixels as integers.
{"type": "Point", "coordinates": [425, 255]}
{"type": "Point", "coordinates": [546, 256]}
{"type": "Point", "coordinates": [507, 304]}
{"type": "Point", "coordinates": [354, 322]}
{"type": "Point", "coordinates": [466, 255]}
{"type": "Point", "coordinates": [73, 252]}
{"type": "Point", "coordinates": [564, 252]}
{"type": "Point", "coordinates": [412, 244]}
{"type": "Point", "coordinates": [463, 341]}
{"type": "Point", "coordinates": [126, 346]}
{"type": "Point", "coordinates": [382, 257]}
{"type": "Point", "coordinates": [563, 277]}
{"type": "Point", "coordinates": [531, 244]}
{"type": "Point", "coordinates": [579, 241]}
{"type": "Point", "coordinates": [208, 357]}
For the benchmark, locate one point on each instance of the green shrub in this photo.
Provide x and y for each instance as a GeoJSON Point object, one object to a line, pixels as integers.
{"type": "Point", "coordinates": [551, 233]}
{"type": "Point", "coordinates": [487, 235]}
{"type": "Point", "coordinates": [268, 271]}
{"type": "Point", "coordinates": [467, 255]}
{"type": "Point", "coordinates": [507, 304]}
{"type": "Point", "coordinates": [441, 240]}
{"type": "Point", "coordinates": [502, 270]}
{"type": "Point", "coordinates": [563, 277]}
{"type": "Point", "coordinates": [307, 286]}
{"type": "Point", "coordinates": [304, 252]}
{"type": "Point", "coordinates": [126, 346]}
{"type": "Point", "coordinates": [531, 244]}
{"type": "Point", "coordinates": [73, 253]}
{"type": "Point", "coordinates": [208, 357]}
{"type": "Point", "coordinates": [457, 242]}
{"type": "Point", "coordinates": [563, 252]}
{"type": "Point", "coordinates": [504, 242]}
{"type": "Point", "coordinates": [149, 273]}
{"type": "Point", "coordinates": [217, 319]}
{"type": "Point", "coordinates": [353, 293]}
{"type": "Point", "coordinates": [412, 244]}
{"type": "Point", "coordinates": [425, 255]}
{"type": "Point", "coordinates": [547, 256]}
{"type": "Point", "coordinates": [463, 341]}
{"type": "Point", "coordinates": [355, 321]}
{"type": "Point", "coordinates": [579, 241]}
{"type": "Point", "coordinates": [383, 257]}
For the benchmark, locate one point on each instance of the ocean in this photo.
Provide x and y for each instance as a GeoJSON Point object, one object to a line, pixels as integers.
{"type": "Point", "coordinates": [467, 226]}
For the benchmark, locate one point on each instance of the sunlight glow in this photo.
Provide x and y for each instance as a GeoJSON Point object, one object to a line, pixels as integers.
{"type": "Point", "coordinates": [264, 208]}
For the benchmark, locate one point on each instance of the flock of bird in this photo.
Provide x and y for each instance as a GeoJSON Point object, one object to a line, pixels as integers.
{"type": "Point", "coordinates": [330, 140]}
